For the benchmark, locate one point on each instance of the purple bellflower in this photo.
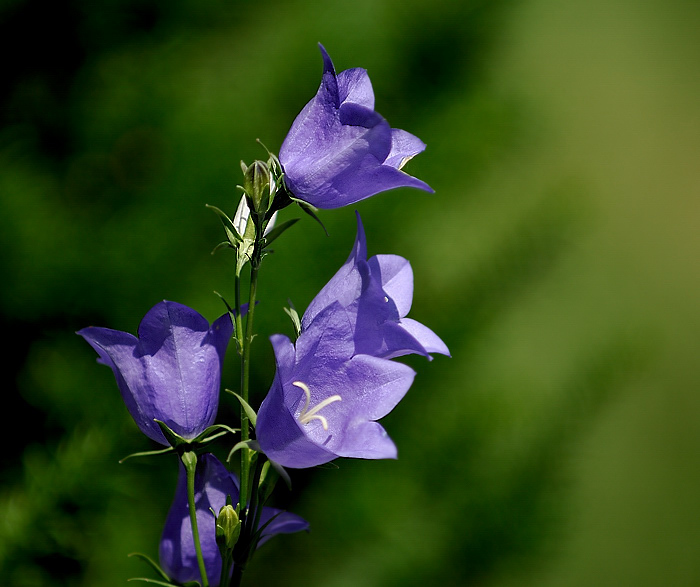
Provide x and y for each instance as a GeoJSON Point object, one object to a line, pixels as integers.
{"type": "Point", "coordinates": [171, 372]}
{"type": "Point", "coordinates": [339, 150]}
{"type": "Point", "coordinates": [325, 399]}
{"type": "Point", "coordinates": [213, 483]}
{"type": "Point", "coordinates": [375, 296]}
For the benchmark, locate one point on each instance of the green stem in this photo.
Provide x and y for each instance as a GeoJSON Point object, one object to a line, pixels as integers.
{"type": "Point", "coordinates": [225, 570]}
{"type": "Point", "coordinates": [245, 374]}
{"type": "Point", "coordinates": [245, 367]}
{"type": "Point", "coordinates": [253, 517]}
{"type": "Point", "coordinates": [238, 318]}
{"type": "Point", "coordinates": [237, 576]}
{"type": "Point", "coordinates": [189, 460]}
{"type": "Point", "coordinates": [245, 433]}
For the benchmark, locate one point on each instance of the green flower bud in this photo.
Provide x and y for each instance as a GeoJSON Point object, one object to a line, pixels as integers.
{"type": "Point", "coordinates": [228, 528]}
{"type": "Point", "coordinates": [256, 184]}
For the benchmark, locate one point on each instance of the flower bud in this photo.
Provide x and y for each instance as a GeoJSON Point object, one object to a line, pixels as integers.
{"type": "Point", "coordinates": [256, 183]}
{"type": "Point", "coordinates": [228, 527]}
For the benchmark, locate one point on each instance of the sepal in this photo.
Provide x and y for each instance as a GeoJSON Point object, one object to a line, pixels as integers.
{"type": "Point", "coordinates": [153, 564]}
{"type": "Point", "coordinates": [221, 245]}
{"type": "Point", "coordinates": [147, 453]}
{"type": "Point", "coordinates": [167, 582]}
{"type": "Point", "coordinates": [294, 315]}
{"type": "Point", "coordinates": [282, 472]}
{"type": "Point", "coordinates": [174, 440]}
{"type": "Point", "coordinates": [234, 238]}
{"type": "Point", "coordinates": [311, 211]}
{"type": "Point", "coordinates": [181, 445]}
{"type": "Point", "coordinates": [277, 231]}
{"type": "Point", "coordinates": [155, 582]}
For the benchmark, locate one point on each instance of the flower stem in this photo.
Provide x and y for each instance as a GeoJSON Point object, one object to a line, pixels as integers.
{"type": "Point", "coordinates": [245, 360]}
{"type": "Point", "coordinates": [245, 384]}
{"type": "Point", "coordinates": [245, 379]}
{"type": "Point", "coordinates": [225, 571]}
{"type": "Point", "coordinates": [238, 318]}
{"type": "Point", "coordinates": [189, 460]}
{"type": "Point", "coordinates": [237, 576]}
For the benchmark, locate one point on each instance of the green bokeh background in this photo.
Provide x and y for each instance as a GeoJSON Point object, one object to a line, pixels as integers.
{"type": "Point", "coordinates": [558, 259]}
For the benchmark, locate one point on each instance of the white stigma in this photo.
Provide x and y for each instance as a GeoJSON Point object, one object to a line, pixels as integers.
{"type": "Point", "coordinates": [306, 416]}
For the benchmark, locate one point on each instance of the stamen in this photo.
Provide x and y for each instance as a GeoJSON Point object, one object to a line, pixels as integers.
{"type": "Point", "coordinates": [306, 417]}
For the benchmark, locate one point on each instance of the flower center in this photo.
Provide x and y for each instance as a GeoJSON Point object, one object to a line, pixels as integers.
{"type": "Point", "coordinates": [306, 415]}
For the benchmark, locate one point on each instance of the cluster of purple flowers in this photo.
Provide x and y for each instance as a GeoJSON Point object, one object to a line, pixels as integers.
{"type": "Point", "coordinates": [334, 381]}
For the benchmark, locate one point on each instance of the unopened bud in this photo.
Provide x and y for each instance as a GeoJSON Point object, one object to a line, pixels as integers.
{"type": "Point", "coordinates": [256, 183]}
{"type": "Point", "coordinates": [228, 528]}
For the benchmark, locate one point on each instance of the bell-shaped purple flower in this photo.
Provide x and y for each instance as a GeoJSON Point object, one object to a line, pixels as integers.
{"type": "Point", "coordinates": [339, 150]}
{"type": "Point", "coordinates": [325, 399]}
{"type": "Point", "coordinates": [171, 372]}
{"type": "Point", "coordinates": [213, 483]}
{"type": "Point", "coordinates": [375, 296]}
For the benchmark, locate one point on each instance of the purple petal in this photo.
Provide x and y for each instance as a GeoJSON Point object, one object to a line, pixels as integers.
{"type": "Point", "coordinates": [396, 278]}
{"type": "Point", "coordinates": [329, 339]}
{"type": "Point", "coordinates": [369, 387]}
{"type": "Point", "coordinates": [116, 350]}
{"type": "Point", "coordinates": [282, 523]}
{"type": "Point", "coordinates": [368, 440]}
{"type": "Point", "coordinates": [345, 285]}
{"type": "Point", "coordinates": [327, 170]}
{"type": "Point", "coordinates": [354, 86]}
{"type": "Point", "coordinates": [277, 430]}
{"type": "Point", "coordinates": [315, 122]}
{"type": "Point", "coordinates": [366, 177]}
{"type": "Point", "coordinates": [323, 362]}
{"type": "Point", "coordinates": [390, 342]}
{"type": "Point", "coordinates": [378, 385]}
{"type": "Point", "coordinates": [171, 372]}
{"type": "Point", "coordinates": [430, 341]}
{"type": "Point", "coordinates": [404, 146]}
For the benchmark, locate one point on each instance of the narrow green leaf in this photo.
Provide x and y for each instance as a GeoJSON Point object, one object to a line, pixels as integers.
{"type": "Point", "coordinates": [249, 444]}
{"type": "Point", "coordinates": [294, 315]}
{"type": "Point", "coordinates": [250, 412]}
{"type": "Point", "coordinates": [174, 439]}
{"type": "Point", "coordinates": [311, 211]}
{"type": "Point", "coordinates": [204, 438]}
{"type": "Point", "coordinates": [222, 245]}
{"type": "Point", "coordinates": [282, 472]}
{"type": "Point", "coordinates": [277, 231]}
{"type": "Point", "coordinates": [213, 428]}
{"type": "Point", "coordinates": [229, 227]}
{"type": "Point", "coordinates": [154, 565]}
{"type": "Point", "coordinates": [147, 453]}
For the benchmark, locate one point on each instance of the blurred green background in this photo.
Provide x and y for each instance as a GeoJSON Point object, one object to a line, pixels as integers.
{"type": "Point", "coordinates": [558, 259]}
